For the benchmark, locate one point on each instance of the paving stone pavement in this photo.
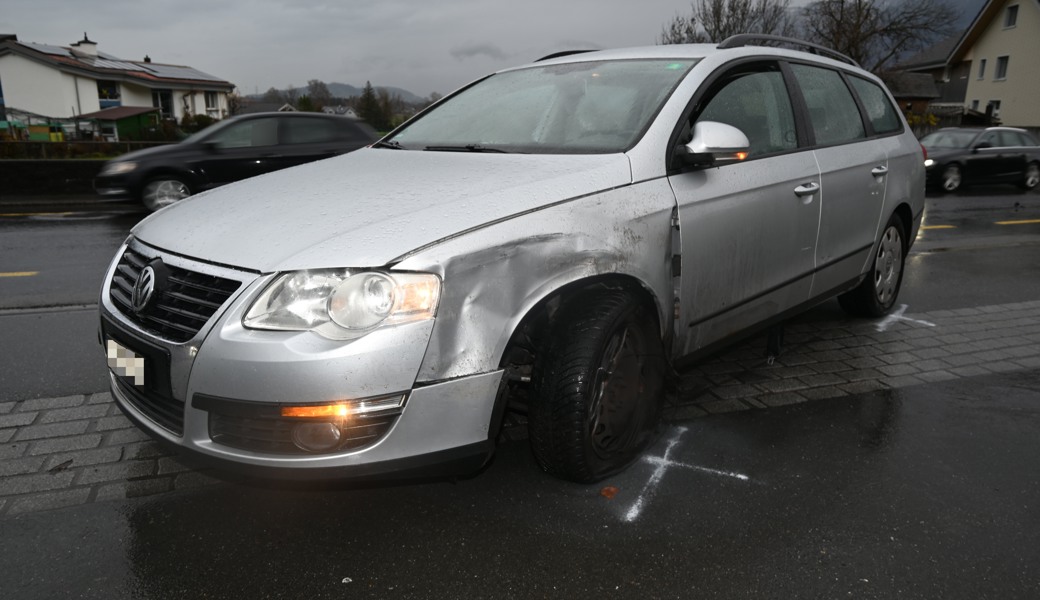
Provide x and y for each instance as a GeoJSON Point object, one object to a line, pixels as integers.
{"type": "Point", "coordinates": [77, 449]}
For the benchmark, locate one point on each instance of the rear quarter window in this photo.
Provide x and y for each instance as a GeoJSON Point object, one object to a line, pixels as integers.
{"type": "Point", "coordinates": [882, 115]}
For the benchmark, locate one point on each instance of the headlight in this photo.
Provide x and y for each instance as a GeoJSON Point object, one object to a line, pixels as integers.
{"type": "Point", "coordinates": [928, 162]}
{"type": "Point", "coordinates": [342, 305]}
{"type": "Point", "coordinates": [118, 167]}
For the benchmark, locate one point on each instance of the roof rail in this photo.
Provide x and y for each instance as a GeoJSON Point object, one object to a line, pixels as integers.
{"type": "Point", "coordinates": [562, 54]}
{"type": "Point", "coordinates": [746, 39]}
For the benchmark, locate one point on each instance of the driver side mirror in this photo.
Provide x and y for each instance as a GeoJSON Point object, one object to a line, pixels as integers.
{"type": "Point", "coordinates": [211, 145]}
{"type": "Point", "coordinates": [981, 146]}
{"type": "Point", "coordinates": [714, 144]}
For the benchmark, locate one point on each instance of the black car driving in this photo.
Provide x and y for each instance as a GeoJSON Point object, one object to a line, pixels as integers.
{"type": "Point", "coordinates": [228, 151]}
{"type": "Point", "coordinates": [964, 156]}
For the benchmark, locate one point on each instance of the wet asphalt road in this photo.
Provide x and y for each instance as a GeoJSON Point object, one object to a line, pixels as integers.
{"type": "Point", "coordinates": [928, 492]}
{"type": "Point", "coordinates": [923, 492]}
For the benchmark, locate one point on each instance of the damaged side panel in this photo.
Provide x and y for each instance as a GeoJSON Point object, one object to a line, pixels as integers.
{"type": "Point", "coordinates": [494, 276]}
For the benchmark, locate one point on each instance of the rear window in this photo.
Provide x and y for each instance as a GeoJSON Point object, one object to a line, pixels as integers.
{"type": "Point", "coordinates": [882, 115]}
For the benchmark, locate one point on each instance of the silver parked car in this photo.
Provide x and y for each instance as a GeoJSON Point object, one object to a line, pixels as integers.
{"type": "Point", "coordinates": [557, 235]}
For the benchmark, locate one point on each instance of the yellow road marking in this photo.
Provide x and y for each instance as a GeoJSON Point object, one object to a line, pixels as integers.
{"type": "Point", "coordinates": [938, 227]}
{"type": "Point", "coordinates": [1026, 222]}
{"type": "Point", "coordinates": [37, 214]}
{"type": "Point", "coordinates": [19, 274]}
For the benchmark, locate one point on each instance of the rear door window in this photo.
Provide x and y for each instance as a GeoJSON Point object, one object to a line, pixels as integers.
{"type": "Point", "coordinates": [833, 113]}
{"type": "Point", "coordinates": [882, 115]}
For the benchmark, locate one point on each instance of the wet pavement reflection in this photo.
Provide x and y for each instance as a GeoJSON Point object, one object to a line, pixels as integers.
{"type": "Point", "coordinates": [923, 492]}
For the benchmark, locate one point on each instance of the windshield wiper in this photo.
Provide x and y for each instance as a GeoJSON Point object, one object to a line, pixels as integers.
{"type": "Point", "coordinates": [466, 148]}
{"type": "Point", "coordinates": [393, 145]}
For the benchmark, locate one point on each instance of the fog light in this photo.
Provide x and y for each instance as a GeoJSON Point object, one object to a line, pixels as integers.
{"type": "Point", "coordinates": [316, 437]}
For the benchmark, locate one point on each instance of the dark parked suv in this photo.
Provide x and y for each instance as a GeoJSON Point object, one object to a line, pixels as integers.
{"type": "Point", "coordinates": [230, 150]}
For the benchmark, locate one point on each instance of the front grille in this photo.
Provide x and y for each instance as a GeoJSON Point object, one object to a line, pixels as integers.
{"type": "Point", "coordinates": [165, 411]}
{"type": "Point", "coordinates": [182, 307]}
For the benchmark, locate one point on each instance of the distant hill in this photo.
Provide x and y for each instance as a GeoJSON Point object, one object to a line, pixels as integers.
{"type": "Point", "coordinates": [344, 90]}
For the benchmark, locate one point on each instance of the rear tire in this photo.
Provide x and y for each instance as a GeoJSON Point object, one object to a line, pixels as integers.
{"type": "Point", "coordinates": [163, 191]}
{"type": "Point", "coordinates": [597, 387]}
{"type": "Point", "coordinates": [877, 293]}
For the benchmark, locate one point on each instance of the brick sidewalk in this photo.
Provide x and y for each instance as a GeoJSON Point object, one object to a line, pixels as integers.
{"type": "Point", "coordinates": [58, 452]}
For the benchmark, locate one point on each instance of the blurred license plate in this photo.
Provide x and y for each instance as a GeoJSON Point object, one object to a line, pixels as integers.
{"type": "Point", "coordinates": [124, 362]}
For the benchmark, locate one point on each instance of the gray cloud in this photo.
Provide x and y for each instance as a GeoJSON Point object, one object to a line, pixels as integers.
{"type": "Point", "coordinates": [474, 50]}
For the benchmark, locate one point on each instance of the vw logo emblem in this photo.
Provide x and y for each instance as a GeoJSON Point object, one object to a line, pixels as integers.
{"type": "Point", "coordinates": [143, 289]}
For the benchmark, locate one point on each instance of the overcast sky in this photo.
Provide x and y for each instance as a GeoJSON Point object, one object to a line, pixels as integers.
{"type": "Point", "coordinates": [423, 46]}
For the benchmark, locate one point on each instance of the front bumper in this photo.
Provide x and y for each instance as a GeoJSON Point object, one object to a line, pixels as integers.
{"type": "Point", "coordinates": [445, 421]}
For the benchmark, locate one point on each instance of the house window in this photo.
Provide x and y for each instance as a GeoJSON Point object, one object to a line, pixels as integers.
{"type": "Point", "coordinates": [993, 108]}
{"type": "Point", "coordinates": [1002, 67]}
{"type": "Point", "coordinates": [212, 104]}
{"type": "Point", "coordinates": [108, 94]}
{"type": "Point", "coordinates": [974, 104]}
{"type": "Point", "coordinates": [163, 100]}
{"type": "Point", "coordinates": [1011, 16]}
{"type": "Point", "coordinates": [982, 68]}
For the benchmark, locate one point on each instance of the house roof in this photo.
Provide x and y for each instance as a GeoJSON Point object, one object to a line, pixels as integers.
{"type": "Point", "coordinates": [904, 85]}
{"type": "Point", "coordinates": [118, 113]}
{"type": "Point", "coordinates": [989, 11]}
{"type": "Point", "coordinates": [106, 66]}
{"type": "Point", "coordinates": [933, 57]}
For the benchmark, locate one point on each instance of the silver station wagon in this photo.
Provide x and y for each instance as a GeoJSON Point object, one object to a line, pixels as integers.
{"type": "Point", "coordinates": [551, 239]}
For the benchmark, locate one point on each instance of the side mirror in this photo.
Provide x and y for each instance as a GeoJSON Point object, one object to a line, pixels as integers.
{"type": "Point", "coordinates": [211, 145]}
{"type": "Point", "coordinates": [714, 144]}
{"type": "Point", "coordinates": [982, 146]}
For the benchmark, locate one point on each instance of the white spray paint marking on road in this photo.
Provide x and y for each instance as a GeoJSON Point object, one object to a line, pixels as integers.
{"type": "Point", "coordinates": [898, 316]}
{"type": "Point", "coordinates": [671, 463]}
{"type": "Point", "coordinates": [663, 464]}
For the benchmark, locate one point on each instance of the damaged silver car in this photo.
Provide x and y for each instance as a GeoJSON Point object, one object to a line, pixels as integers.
{"type": "Point", "coordinates": [556, 236]}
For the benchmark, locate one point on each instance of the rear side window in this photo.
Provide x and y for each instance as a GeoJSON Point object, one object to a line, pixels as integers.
{"type": "Point", "coordinates": [310, 131]}
{"type": "Point", "coordinates": [882, 115]}
{"type": "Point", "coordinates": [757, 104]}
{"type": "Point", "coordinates": [833, 112]}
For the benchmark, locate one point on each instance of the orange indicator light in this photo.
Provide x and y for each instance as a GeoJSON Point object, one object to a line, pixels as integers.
{"type": "Point", "coordinates": [326, 410]}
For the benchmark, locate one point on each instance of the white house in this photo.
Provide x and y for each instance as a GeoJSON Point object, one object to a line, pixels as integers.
{"type": "Point", "coordinates": [69, 81]}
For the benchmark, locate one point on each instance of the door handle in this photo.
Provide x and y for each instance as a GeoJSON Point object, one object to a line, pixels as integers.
{"type": "Point", "coordinates": [879, 171]}
{"type": "Point", "coordinates": [806, 189]}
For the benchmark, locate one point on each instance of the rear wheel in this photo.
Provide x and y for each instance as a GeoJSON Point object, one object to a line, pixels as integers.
{"type": "Point", "coordinates": [877, 293]}
{"type": "Point", "coordinates": [951, 178]}
{"type": "Point", "coordinates": [598, 387]}
{"type": "Point", "coordinates": [164, 191]}
{"type": "Point", "coordinates": [1032, 176]}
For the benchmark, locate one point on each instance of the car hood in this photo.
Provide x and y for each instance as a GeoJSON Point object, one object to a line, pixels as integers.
{"type": "Point", "coordinates": [166, 150]}
{"type": "Point", "coordinates": [938, 154]}
{"type": "Point", "coordinates": [372, 206]}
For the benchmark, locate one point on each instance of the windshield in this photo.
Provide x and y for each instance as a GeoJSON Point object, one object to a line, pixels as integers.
{"type": "Point", "coordinates": [948, 139]}
{"type": "Point", "coordinates": [588, 107]}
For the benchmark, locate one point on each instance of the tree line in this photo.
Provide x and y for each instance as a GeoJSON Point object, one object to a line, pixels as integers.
{"type": "Point", "coordinates": [376, 106]}
{"type": "Point", "coordinates": [874, 33]}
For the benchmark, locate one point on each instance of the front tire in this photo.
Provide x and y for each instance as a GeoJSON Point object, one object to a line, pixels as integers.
{"type": "Point", "coordinates": [161, 192]}
{"type": "Point", "coordinates": [877, 293]}
{"type": "Point", "coordinates": [1032, 177]}
{"type": "Point", "coordinates": [952, 178]}
{"type": "Point", "coordinates": [598, 387]}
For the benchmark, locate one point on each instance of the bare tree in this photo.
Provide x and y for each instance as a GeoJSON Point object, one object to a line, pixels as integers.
{"type": "Point", "coordinates": [876, 33]}
{"type": "Point", "coordinates": [716, 20]}
{"type": "Point", "coordinates": [319, 94]}
{"type": "Point", "coordinates": [291, 94]}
